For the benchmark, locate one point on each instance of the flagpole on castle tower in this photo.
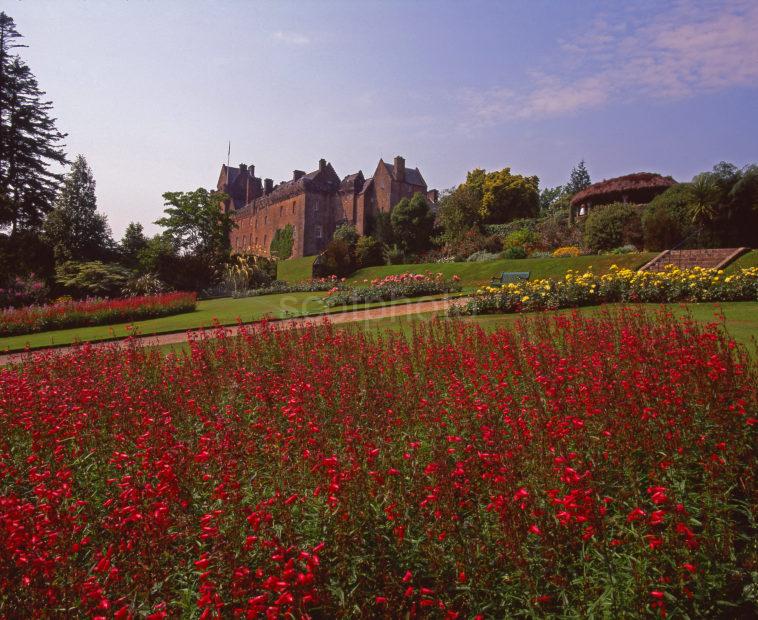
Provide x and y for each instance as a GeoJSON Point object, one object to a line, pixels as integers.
{"type": "Point", "coordinates": [228, 156]}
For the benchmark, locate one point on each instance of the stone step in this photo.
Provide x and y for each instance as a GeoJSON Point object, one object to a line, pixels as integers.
{"type": "Point", "coordinates": [707, 258]}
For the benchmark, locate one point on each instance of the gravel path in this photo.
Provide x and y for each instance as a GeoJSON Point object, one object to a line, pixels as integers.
{"type": "Point", "coordinates": [350, 316]}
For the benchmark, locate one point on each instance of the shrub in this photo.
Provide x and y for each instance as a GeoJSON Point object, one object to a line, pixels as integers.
{"type": "Point", "coordinates": [569, 250]}
{"type": "Point", "coordinates": [557, 230]}
{"type": "Point", "coordinates": [514, 253]}
{"type": "Point", "coordinates": [481, 256]}
{"type": "Point", "coordinates": [346, 233]}
{"type": "Point", "coordinates": [610, 226]}
{"type": "Point", "coordinates": [336, 260]}
{"type": "Point", "coordinates": [369, 252]}
{"type": "Point", "coordinates": [279, 286]}
{"type": "Point", "coordinates": [23, 291]}
{"type": "Point", "coordinates": [146, 284]}
{"type": "Point", "coordinates": [472, 241]}
{"type": "Point", "coordinates": [523, 238]}
{"type": "Point", "coordinates": [394, 255]}
{"type": "Point", "coordinates": [503, 230]}
{"type": "Point", "coordinates": [248, 272]}
{"type": "Point", "coordinates": [393, 287]}
{"type": "Point", "coordinates": [624, 249]}
{"type": "Point", "coordinates": [281, 244]}
{"type": "Point", "coordinates": [14, 322]}
{"type": "Point", "coordinates": [92, 278]}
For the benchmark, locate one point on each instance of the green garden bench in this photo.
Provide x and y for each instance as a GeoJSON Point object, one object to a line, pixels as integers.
{"type": "Point", "coordinates": [510, 276]}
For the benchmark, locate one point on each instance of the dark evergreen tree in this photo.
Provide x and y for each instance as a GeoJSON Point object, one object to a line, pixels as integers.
{"type": "Point", "coordinates": [133, 242]}
{"type": "Point", "coordinates": [29, 140]}
{"type": "Point", "coordinates": [74, 228]}
{"type": "Point", "coordinates": [579, 179]}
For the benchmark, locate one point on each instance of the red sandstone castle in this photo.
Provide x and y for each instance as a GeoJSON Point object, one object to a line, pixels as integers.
{"type": "Point", "coordinates": [314, 204]}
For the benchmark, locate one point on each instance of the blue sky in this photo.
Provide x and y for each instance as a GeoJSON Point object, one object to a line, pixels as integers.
{"type": "Point", "coordinates": [150, 92]}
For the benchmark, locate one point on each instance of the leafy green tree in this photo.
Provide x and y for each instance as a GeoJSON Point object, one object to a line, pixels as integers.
{"type": "Point", "coordinates": [74, 228]}
{"type": "Point", "coordinates": [158, 251]}
{"type": "Point", "coordinates": [459, 211]}
{"type": "Point", "coordinates": [380, 227]}
{"type": "Point", "coordinates": [503, 196]}
{"type": "Point", "coordinates": [180, 271]}
{"type": "Point", "coordinates": [133, 242]}
{"type": "Point", "coordinates": [412, 223]}
{"type": "Point", "coordinates": [197, 224]}
{"type": "Point", "coordinates": [578, 180]}
{"type": "Point", "coordinates": [666, 219]}
{"type": "Point", "coordinates": [29, 140]}
{"type": "Point", "coordinates": [549, 196]}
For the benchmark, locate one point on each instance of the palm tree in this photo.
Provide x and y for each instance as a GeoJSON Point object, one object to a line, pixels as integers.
{"type": "Point", "coordinates": [705, 200]}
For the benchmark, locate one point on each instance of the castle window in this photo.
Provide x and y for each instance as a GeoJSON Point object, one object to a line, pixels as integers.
{"type": "Point", "coordinates": [315, 205]}
{"type": "Point", "coordinates": [281, 210]}
{"type": "Point", "coordinates": [293, 207]}
{"type": "Point", "coordinates": [319, 232]}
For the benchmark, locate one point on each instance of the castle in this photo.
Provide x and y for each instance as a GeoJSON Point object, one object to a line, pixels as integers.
{"type": "Point", "coordinates": [314, 204]}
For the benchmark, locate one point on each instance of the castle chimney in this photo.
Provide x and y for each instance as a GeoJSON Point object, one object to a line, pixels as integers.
{"type": "Point", "coordinates": [251, 170]}
{"type": "Point", "coordinates": [268, 186]}
{"type": "Point", "coordinates": [433, 195]}
{"type": "Point", "coordinates": [297, 174]}
{"type": "Point", "coordinates": [243, 167]}
{"type": "Point", "coordinates": [321, 165]}
{"type": "Point", "coordinates": [399, 168]}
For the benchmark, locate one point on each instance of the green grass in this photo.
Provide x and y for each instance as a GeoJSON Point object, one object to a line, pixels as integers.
{"type": "Point", "coordinates": [474, 275]}
{"type": "Point", "coordinates": [224, 311]}
{"type": "Point", "coordinates": [740, 321]}
{"type": "Point", "coordinates": [740, 318]}
{"type": "Point", "coordinates": [295, 269]}
{"type": "Point", "coordinates": [749, 259]}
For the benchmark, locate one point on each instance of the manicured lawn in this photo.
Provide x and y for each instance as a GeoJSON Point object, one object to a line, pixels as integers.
{"type": "Point", "coordinates": [475, 274]}
{"type": "Point", "coordinates": [750, 259]}
{"type": "Point", "coordinates": [740, 318]}
{"type": "Point", "coordinates": [295, 269]}
{"type": "Point", "coordinates": [224, 311]}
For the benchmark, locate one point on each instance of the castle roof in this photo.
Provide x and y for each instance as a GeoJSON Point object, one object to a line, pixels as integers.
{"type": "Point", "coordinates": [366, 185]}
{"type": "Point", "coordinates": [316, 181]}
{"type": "Point", "coordinates": [639, 186]}
{"type": "Point", "coordinates": [412, 175]}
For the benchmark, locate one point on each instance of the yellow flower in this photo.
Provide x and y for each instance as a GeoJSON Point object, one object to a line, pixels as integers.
{"type": "Point", "coordinates": [525, 298]}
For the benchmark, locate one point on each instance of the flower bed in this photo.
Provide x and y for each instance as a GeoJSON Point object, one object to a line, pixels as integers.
{"type": "Point", "coordinates": [573, 467]}
{"type": "Point", "coordinates": [313, 285]}
{"type": "Point", "coordinates": [92, 312]}
{"type": "Point", "coordinates": [393, 287]}
{"type": "Point", "coordinates": [619, 285]}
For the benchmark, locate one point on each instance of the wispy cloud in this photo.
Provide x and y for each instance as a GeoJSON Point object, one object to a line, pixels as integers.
{"type": "Point", "coordinates": [691, 47]}
{"type": "Point", "coordinates": [290, 37]}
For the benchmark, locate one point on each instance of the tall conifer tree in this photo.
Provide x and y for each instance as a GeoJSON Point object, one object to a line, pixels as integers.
{"type": "Point", "coordinates": [29, 140]}
{"type": "Point", "coordinates": [74, 228]}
